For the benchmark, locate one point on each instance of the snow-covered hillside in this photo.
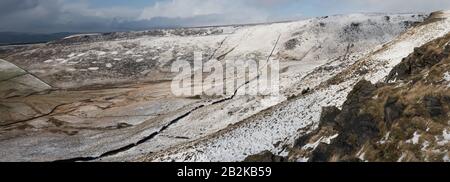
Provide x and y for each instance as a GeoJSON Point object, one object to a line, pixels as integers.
{"type": "Point", "coordinates": [110, 97]}
{"type": "Point", "coordinates": [278, 127]}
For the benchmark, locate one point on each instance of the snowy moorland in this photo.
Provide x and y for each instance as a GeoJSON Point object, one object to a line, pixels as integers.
{"type": "Point", "coordinates": [107, 97]}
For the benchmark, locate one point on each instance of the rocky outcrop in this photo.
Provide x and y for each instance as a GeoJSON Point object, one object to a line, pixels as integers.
{"type": "Point", "coordinates": [341, 132]}
{"type": "Point", "coordinates": [265, 156]}
{"type": "Point", "coordinates": [423, 58]}
{"type": "Point", "coordinates": [406, 119]}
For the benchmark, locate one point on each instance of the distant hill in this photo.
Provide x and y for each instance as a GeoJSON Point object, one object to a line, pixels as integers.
{"type": "Point", "coordinates": [8, 38]}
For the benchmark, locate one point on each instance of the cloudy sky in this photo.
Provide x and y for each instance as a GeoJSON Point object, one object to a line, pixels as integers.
{"type": "Point", "coordinates": [46, 16]}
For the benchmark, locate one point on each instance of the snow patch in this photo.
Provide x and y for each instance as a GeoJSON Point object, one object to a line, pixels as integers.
{"type": "Point", "coordinates": [100, 53]}
{"type": "Point", "coordinates": [328, 140]}
{"type": "Point", "coordinates": [445, 138]}
{"type": "Point", "coordinates": [71, 55]}
{"type": "Point", "coordinates": [415, 139]}
{"type": "Point", "coordinates": [446, 158]}
{"type": "Point", "coordinates": [71, 69]}
{"type": "Point", "coordinates": [401, 157]}
{"type": "Point", "coordinates": [312, 146]}
{"type": "Point", "coordinates": [447, 77]}
{"type": "Point", "coordinates": [80, 35]}
{"type": "Point", "coordinates": [325, 140]}
{"type": "Point", "coordinates": [425, 145]}
{"type": "Point", "coordinates": [446, 135]}
{"type": "Point", "coordinates": [361, 156]}
{"type": "Point", "coordinates": [61, 61]}
{"type": "Point", "coordinates": [385, 138]}
{"type": "Point", "coordinates": [302, 159]}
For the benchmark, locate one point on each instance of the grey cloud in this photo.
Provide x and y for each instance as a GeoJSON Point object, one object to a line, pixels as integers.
{"type": "Point", "coordinates": [10, 6]}
{"type": "Point", "coordinates": [53, 16]}
{"type": "Point", "coordinates": [46, 16]}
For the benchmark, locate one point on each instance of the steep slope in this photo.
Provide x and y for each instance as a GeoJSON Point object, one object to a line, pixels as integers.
{"type": "Point", "coordinates": [112, 98]}
{"type": "Point", "coordinates": [406, 119]}
{"type": "Point", "coordinates": [277, 128]}
{"type": "Point", "coordinates": [15, 81]}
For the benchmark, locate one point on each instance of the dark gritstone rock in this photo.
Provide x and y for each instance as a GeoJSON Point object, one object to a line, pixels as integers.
{"type": "Point", "coordinates": [291, 44]}
{"type": "Point", "coordinates": [433, 106]}
{"type": "Point", "coordinates": [326, 124]}
{"type": "Point", "coordinates": [329, 115]}
{"type": "Point", "coordinates": [265, 156]}
{"type": "Point", "coordinates": [393, 110]}
{"type": "Point", "coordinates": [306, 91]}
{"type": "Point", "coordinates": [353, 27]}
{"type": "Point", "coordinates": [361, 91]}
{"type": "Point", "coordinates": [354, 128]}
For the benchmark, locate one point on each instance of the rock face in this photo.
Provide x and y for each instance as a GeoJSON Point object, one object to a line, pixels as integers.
{"type": "Point", "coordinates": [403, 120]}
{"type": "Point", "coordinates": [110, 97]}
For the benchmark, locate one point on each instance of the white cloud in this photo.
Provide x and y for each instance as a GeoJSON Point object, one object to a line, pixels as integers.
{"type": "Point", "coordinates": [229, 9]}
{"type": "Point", "coordinates": [183, 9]}
{"type": "Point", "coordinates": [401, 5]}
